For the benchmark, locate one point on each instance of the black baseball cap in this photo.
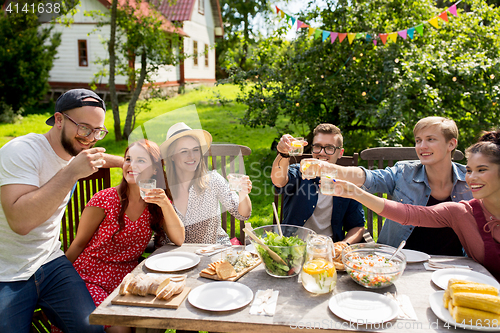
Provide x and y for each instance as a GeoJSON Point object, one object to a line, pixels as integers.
{"type": "Point", "coordinates": [73, 99]}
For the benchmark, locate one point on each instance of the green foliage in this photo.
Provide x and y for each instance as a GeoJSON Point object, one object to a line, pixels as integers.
{"type": "Point", "coordinates": [375, 94]}
{"type": "Point", "coordinates": [26, 57]}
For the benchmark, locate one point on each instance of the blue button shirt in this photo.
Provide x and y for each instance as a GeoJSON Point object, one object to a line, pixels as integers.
{"type": "Point", "coordinates": [407, 182]}
{"type": "Point", "coordinates": [300, 197]}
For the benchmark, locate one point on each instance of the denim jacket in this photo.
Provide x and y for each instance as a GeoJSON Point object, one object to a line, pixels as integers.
{"type": "Point", "coordinates": [407, 182]}
{"type": "Point", "coordinates": [299, 201]}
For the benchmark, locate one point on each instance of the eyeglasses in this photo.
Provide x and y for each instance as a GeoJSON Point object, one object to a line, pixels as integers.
{"type": "Point", "coordinates": [85, 131]}
{"type": "Point", "coordinates": [329, 150]}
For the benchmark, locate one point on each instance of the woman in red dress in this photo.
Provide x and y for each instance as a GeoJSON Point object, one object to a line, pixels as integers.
{"type": "Point", "coordinates": [476, 222]}
{"type": "Point", "coordinates": [116, 225]}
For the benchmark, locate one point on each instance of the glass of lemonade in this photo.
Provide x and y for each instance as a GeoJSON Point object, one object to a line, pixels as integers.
{"type": "Point", "coordinates": [310, 168]}
{"type": "Point", "coordinates": [146, 185]}
{"type": "Point", "coordinates": [297, 145]}
{"type": "Point", "coordinates": [318, 274]}
{"type": "Point", "coordinates": [328, 175]}
{"type": "Point", "coordinates": [235, 180]}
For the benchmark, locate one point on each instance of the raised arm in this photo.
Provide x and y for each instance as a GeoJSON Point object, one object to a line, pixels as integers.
{"type": "Point", "coordinates": [172, 225]}
{"type": "Point", "coordinates": [89, 222]}
{"type": "Point", "coordinates": [113, 161]}
{"type": "Point", "coordinates": [27, 206]}
{"type": "Point", "coordinates": [279, 171]}
{"type": "Point", "coordinates": [349, 190]}
{"type": "Point", "coordinates": [245, 205]}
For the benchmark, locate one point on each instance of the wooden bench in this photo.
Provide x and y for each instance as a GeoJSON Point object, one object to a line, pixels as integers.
{"type": "Point", "coordinates": [278, 199]}
{"type": "Point", "coordinates": [382, 157]}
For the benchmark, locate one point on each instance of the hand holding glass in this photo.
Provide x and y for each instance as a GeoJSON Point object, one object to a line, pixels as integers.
{"type": "Point", "coordinates": [235, 180]}
{"type": "Point", "coordinates": [328, 175]}
{"type": "Point", "coordinates": [145, 186]}
{"type": "Point", "coordinates": [297, 146]}
{"type": "Point", "coordinates": [310, 168]}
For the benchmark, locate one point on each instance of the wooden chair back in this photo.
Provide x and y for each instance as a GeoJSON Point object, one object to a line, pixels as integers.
{"type": "Point", "coordinates": [85, 189]}
{"type": "Point", "coordinates": [382, 157]}
{"type": "Point", "coordinates": [226, 159]}
{"type": "Point", "coordinates": [344, 161]}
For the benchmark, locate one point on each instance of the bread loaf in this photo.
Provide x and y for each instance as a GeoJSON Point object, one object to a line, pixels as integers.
{"type": "Point", "coordinates": [125, 282]}
{"type": "Point", "coordinates": [167, 292]}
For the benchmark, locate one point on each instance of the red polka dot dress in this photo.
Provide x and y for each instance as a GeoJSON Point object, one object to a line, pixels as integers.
{"type": "Point", "coordinates": [106, 260]}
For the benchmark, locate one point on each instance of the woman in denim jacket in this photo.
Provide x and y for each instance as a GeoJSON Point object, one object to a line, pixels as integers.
{"type": "Point", "coordinates": [435, 178]}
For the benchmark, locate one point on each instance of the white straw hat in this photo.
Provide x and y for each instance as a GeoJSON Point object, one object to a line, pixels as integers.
{"type": "Point", "coordinates": [180, 130]}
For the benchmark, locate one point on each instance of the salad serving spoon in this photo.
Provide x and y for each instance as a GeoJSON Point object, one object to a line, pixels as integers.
{"type": "Point", "coordinates": [403, 243]}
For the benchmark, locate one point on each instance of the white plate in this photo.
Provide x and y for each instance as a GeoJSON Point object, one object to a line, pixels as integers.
{"type": "Point", "coordinates": [436, 301]}
{"type": "Point", "coordinates": [415, 256]}
{"type": "Point", "coordinates": [363, 307]}
{"type": "Point", "coordinates": [172, 261]}
{"type": "Point", "coordinates": [441, 277]}
{"type": "Point", "coordinates": [220, 296]}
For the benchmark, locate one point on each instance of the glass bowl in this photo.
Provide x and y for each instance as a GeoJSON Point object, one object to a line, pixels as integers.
{"type": "Point", "coordinates": [293, 255]}
{"type": "Point", "coordinates": [369, 265]}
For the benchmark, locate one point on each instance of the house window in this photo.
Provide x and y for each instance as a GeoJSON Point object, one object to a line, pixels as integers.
{"type": "Point", "coordinates": [201, 7]}
{"type": "Point", "coordinates": [206, 55]}
{"type": "Point", "coordinates": [195, 53]}
{"type": "Point", "coordinates": [83, 58]}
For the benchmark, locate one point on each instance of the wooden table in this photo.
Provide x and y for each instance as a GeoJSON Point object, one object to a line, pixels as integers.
{"type": "Point", "coordinates": [296, 309]}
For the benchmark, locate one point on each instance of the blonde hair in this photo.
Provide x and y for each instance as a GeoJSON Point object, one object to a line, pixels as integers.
{"type": "Point", "coordinates": [448, 127]}
{"type": "Point", "coordinates": [326, 128]}
{"type": "Point", "coordinates": [200, 180]}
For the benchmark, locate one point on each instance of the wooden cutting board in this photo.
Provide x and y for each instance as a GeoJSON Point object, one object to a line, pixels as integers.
{"type": "Point", "coordinates": [151, 301]}
{"type": "Point", "coordinates": [238, 275]}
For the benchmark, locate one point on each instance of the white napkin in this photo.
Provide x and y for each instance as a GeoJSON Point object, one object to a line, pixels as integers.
{"type": "Point", "coordinates": [435, 268]}
{"type": "Point", "coordinates": [210, 250]}
{"type": "Point", "coordinates": [406, 310]}
{"type": "Point", "coordinates": [264, 303]}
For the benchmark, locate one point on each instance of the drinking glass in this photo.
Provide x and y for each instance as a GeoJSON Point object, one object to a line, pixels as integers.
{"type": "Point", "coordinates": [146, 185]}
{"type": "Point", "coordinates": [310, 168]}
{"type": "Point", "coordinates": [318, 274]}
{"type": "Point", "coordinates": [297, 145]}
{"type": "Point", "coordinates": [235, 180]}
{"type": "Point", "coordinates": [328, 175]}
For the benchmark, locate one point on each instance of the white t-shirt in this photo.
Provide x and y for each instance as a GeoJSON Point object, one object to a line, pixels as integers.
{"type": "Point", "coordinates": [321, 219]}
{"type": "Point", "coordinates": [29, 160]}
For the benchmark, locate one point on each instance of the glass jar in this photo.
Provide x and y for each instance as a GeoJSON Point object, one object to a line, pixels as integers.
{"type": "Point", "coordinates": [318, 273]}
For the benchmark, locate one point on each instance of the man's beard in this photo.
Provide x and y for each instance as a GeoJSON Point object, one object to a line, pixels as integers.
{"type": "Point", "coordinates": [68, 146]}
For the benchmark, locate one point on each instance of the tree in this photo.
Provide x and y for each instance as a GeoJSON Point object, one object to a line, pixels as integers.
{"type": "Point", "coordinates": [376, 93]}
{"type": "Point", "coordinates": [136, 30]}
{"type": "Point", "coordinates": [26, 56]}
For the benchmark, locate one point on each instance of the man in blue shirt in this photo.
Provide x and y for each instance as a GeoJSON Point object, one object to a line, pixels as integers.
{"type": "Point", "coordinates": [432, 179]}
{"type": "Point", "coordinates": [303, 204]}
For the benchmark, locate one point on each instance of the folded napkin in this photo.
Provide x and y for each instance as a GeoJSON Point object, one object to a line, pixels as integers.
{"type": "Point", "coordinates": [264, 303]}
{"type": "Point", "coordinates": [210, 249]}
{"type": "Point", "coordinates": [435, 265]}
{"type": "Point", "coordinates": [406, 310]}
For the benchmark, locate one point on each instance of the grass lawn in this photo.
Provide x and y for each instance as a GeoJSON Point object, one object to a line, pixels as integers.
{"type": "Point", "coordinates": [222, 121]}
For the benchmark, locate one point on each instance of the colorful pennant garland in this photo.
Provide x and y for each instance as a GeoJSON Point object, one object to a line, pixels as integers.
{"type": "Point", "coordinates": [333, 36]}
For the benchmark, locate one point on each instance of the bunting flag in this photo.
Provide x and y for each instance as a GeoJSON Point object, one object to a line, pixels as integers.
{"type": "Point", "coordinates": [326, 34]}
{"type": "Point", "coordinates": [393, 36]}
{"type": "Point", "coordinates": [333, 36]}
{"type": "Point", "coordinates": [410, 32]}
{"type": "Point", "coordinates": [351, 36]}
{"type": "Point", "coordinates": [434, 22]}
{"type": "Point", "coordinates": [453, 10]}
{"type": "Point", "coordinates": [444, 16]}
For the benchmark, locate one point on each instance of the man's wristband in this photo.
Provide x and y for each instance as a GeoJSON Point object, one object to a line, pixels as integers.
{"type": "Point", "coordinates": [284, 155]}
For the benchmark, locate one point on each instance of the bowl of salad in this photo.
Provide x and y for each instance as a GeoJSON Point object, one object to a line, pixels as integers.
{"type": "Point", "coordinates": [291, 248]}
{"type": "Point", "coordinates": [369, 264]}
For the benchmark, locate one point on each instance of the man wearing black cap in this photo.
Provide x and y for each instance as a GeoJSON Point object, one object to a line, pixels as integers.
{"type": "Point", "coordinates": [37, 173]}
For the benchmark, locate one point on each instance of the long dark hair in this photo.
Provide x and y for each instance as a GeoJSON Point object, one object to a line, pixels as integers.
{"type": "Point", "coordinates": [161, 182]}
{"type": "Point", "coordinates": [488, 145]}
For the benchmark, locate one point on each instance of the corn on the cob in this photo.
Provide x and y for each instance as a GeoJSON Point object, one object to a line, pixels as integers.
{"type": "Point", "coordinates": [488, 303]}
{"type": "Point", "coordinates": [450, 308]}
{"type": "Point", "coordinates": [446, 298]}
{"type": "Point", "coordinates": [473, 316]}
{"type": "Point", "coordinates": [473, 288]}
{"type": "Point", "coordinates": [459, 281]}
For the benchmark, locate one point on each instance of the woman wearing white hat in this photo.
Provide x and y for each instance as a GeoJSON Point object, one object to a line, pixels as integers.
{"type": "Point", "coordinates": [197, 192]}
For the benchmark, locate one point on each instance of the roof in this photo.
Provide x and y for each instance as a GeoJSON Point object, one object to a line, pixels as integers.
{"type": "Point", "coordinates": [181, 10]}
{"type": "Point", "coordinates": [146, 11]}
